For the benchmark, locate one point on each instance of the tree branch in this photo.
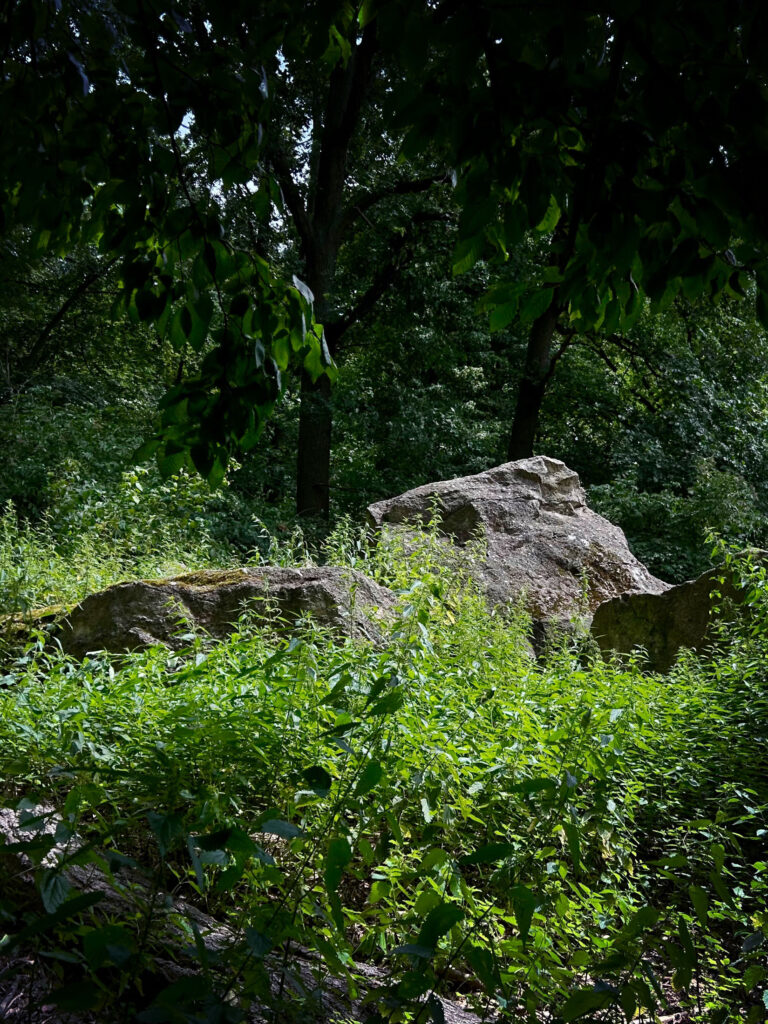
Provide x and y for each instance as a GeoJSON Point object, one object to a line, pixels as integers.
{"type": "Point", "coordinates": [382, 281]}
{"type": "Point", "coordinates": [568, 337]}
{"type": "Point", "coordinates": [346, 95]}
{"type": "Point", "coordinates": [292, 196]}
{"type": "Point", "coordinates": [363, 200]}
{"type": "Point", "coordinates": [602, 354]}
{"type": "Point", "coordinates": [41, 342]}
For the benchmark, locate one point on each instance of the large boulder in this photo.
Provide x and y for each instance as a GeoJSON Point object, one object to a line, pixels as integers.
{"type": "Point", "coordinates": [134, 615]}
{"type": "Point", "coordinates": [542, 540]}
{"type": "Point", "coordinates": [662, 624]}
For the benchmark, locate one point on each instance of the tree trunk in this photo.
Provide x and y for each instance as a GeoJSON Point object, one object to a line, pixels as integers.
{"type": "Point", "coordinates": [313, 468]}
{"type": "Point", "coordinates": [538, 363]}
{"type": "Point", "coordinates": [313, 459]}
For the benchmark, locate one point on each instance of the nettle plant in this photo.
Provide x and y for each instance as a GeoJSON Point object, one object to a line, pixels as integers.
{"type": "Point", "coordinates": [238, 823]}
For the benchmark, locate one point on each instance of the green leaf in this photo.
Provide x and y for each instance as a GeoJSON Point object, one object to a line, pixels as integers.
{"type": "Point", "coordinates": [549, 221]}
{"type": "Point", "coordinates": [529, 786]}
{"type": "Point", "coordinates": [108, 945]}
{"type": "Point", "coordinates": [439, 922]}
{"type": "Point", "coordinates": [524, 903]}
{"type": "Point", "coordinates": [54, 888]}
{"type": "Point", "coordinates": [414, 984]}
{"type": "Point", "coordinates": [318, 780]}
{"type": "Point", "coordinates": [536, 304]}
{"type": "Point", "coordinates": [700, 901]}
{"type": "Point", "coordinates": [502, 315]}
{"type": "Point", "coordinates": [482, 963]}
{"type": "Point", "coordinates": [436, 1009]}
{"type": "Point", "coordinates": [628, 1001]}
{"type": "Point", "coordinates": [283, 829]}
{"type": "Point", "coordinates": [169, 465]}
{"type": "Point", "coordinates": [574, 845]}
{"type": "Point", "coordinates": [43, 924]}
{"type": "Point", "coordinates": [146, 451]}
{"type": "Point", "coordinates": [258, 943]}
{"type": "Point", "coordinates": [338, 856]}
{"type": "Point", "coordinates": [488, 854]}
{"type": "Point", "coordinates": [645, 917]}
{"type": "Point", "coordinates": [718, 856]}
{"type": "Point", "coordinates": [167, 828]}
{"type": "Point", "coordinates": [370, 778]}
{"type": "Point", "coordinates": [389, 703]}
{"type": "Point", "coordinates": [584, 1001]}
{"type": "Point", "coordinates": [713, 224]}
{"type": "Point", "coordinates": [753, 975]}
{"type": "Point", "coordinates": [467, 254]}
{"type": "Point", "coordinates": [413, 949]}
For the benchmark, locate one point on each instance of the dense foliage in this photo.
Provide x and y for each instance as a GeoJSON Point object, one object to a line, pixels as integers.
{"type": "Point", "coordinates": [616, 137]}
{"type": "Point", "coordinates": [566, 836]}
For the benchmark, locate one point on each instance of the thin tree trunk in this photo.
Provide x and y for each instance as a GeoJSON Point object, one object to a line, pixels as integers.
{"type": "Point", "coordinates": [313, 459]}
{"type": "Point", "coordinates": [538, 363]}
{"type": "Point", "coordinates": [313, 468]}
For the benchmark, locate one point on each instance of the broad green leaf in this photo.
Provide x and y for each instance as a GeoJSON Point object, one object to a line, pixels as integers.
{"type": "Point", "coordinates": [574, 845]}
{"type": "Point", "coordinates": [488, 854]}
{"type": "Point", "coordinates": [75, 997]}
{"type": "Point", "coordinates": [524, 904]}
{"type": "Point", "coordinates": [438, 922]}
{"type": "Point", "coordinates": [67, 910]}
{"type": "Point", "coordinates": [283, 829]}
{"type": "Point", "coordinates": [414, 984]}
{"type": "Point", "coordinates": [762, 308]}
{"type": "Point", "coordinates": [502, 316]}
{"type": "Point", "coordinates": [319, 780]}
{"type": "Point", "coordinates": [482, 964]}
{"type": "Point", "coordinates": [628, 1001]}
{"type": "Point", "coordinates": [389, 703]}
{"type": "Point", "coordinates": [700, 901]}
{"type": "Point", "coordinates": [54, 888]}
{"type": "Point", "coordinates": [549, 221]}
{"type": "Point", "coordinates": [258, 943]}
{"type": "Point", "coordinates": [467, 254]}
{"type": "Point", "coordinates": [536, 304]}
{"type": "Point", "coordinates": [436, 1010]}
{"type": "Point", "coordinates": [645, 917]}
{"type": "Point", "coordinates": [110, 944]}
{"type": "Point", "coordinates": [584, 1001]}
{"type": "Point", "coordinates": [167, 829]}
{"type": "Point", "coordinates": [718, 856]}
{"type": "Point", "coordinates": [413, 949]}
{"type": "Point", "coordinates": [371, 776]}
{"type": "Point", "coordinates": [337, 858]}
{"type": "Point", "coordinates": [528, 786]}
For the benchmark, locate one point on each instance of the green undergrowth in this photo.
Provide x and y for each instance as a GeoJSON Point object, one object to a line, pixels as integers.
{"type": "Point", "coordinates": [561, 840]}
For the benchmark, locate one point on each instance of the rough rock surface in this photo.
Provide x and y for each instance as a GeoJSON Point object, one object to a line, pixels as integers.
{"type": "Point", "coordinates": [134, 615]}
{"type": "Point", "coordinates": [542, 539]}
{"type": "Point", "coordinates": [663, 623]}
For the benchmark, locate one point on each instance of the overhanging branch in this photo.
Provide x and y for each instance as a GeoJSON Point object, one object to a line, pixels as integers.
{"type": "Point", "coordinates": [382, 281]}
{"type": "Point", "coordinates": [364, 200]}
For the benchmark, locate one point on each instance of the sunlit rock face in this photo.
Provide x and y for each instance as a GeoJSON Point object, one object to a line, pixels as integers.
{"type": "Point", "coordinates": [129, 616]}
{"type": "Point", "coordinates": [542, 541]}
